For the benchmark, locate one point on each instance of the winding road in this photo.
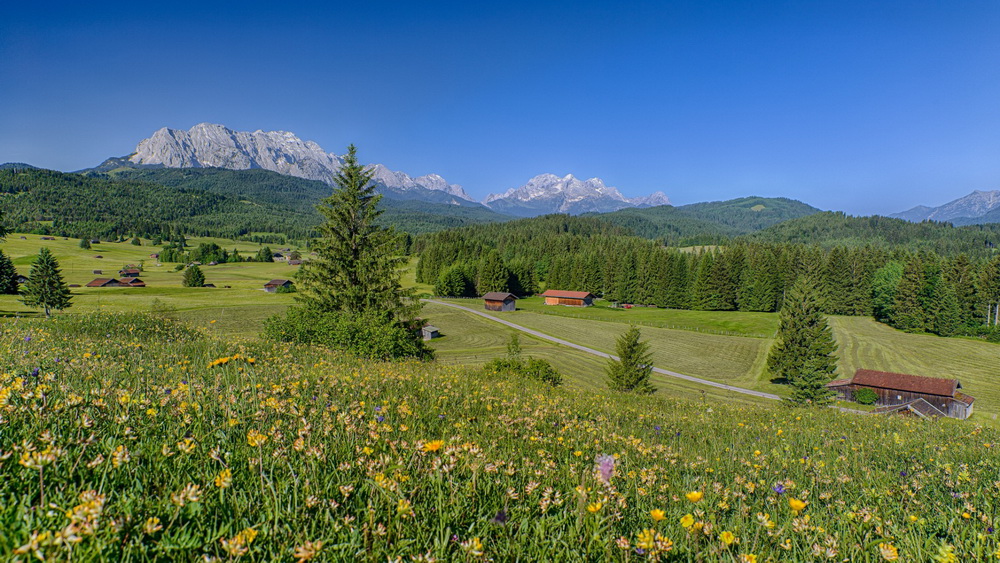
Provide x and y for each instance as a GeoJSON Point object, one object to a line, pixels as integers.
{"type": "Point", "coordinates": [544, 336]}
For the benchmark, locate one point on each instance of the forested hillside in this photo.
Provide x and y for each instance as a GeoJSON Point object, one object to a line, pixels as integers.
{"type": "Point", "coordinates": [709, 222]}
{"type": "Point", "coordinates": [830, 229]}
{"type": "Point", "coordinates": [80, 206]}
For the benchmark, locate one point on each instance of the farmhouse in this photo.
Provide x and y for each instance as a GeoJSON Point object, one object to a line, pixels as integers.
{"type": "Point", "coordinates": [500, 301]}
{"type": "Point", "coordinates": [273, 285]}
{"type": "Point", "coordinates": [898, 392]}
{"type": "Point", "coordinates": [571, 298]}
{"type": "Point", "coordinates": [430, 332]}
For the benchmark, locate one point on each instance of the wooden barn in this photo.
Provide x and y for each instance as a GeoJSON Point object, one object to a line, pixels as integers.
{"type": "Point", "coordinates": [129, 272]}
{"type": "Point", "coordinates": [273, 285]}
{"type": "Point", "coordinates": [570, 298]}
{"type": "Point", "coordinates": [500, 301]}
{"type": "Point", "coordinates": [105, 282]}
{"type": "Point", "coordinates": [898, 392]}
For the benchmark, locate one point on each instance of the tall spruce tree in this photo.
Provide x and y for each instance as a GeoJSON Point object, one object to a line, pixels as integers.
{"type": "Point", "coordinates": [357, 264]}
{"type": "Point", "coordinates": [493, 274]}
{"type": "Point", "coordinates": [989, 291]}
{"type": "Point", "coordinates": [803, 353]}
{"type": "Point", "coordinates": [8, 276]}
{"type": "Point", "coordinates": [45, 288]}
{"type": "Point", "coordinates": [908, 307]}
{"type": "Point", "coordinates": [630, 373]}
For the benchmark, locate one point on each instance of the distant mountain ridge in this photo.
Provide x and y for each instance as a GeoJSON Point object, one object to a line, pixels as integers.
{"type": "Point", "coordinates": [208, 145]}
{"type": "Point", "coordinates": [979, 207]}
{"type": "Point", "coordinates": [548, 193]}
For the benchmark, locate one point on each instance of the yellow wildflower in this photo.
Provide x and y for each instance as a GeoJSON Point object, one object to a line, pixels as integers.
{"type": "Point", "coordinates": [255, 438]}
{"type": "Point", "coordinates": [888, 551]}
{"type": "Point", "coordinates": [433, 446]}
{"type": "Point", "coordinates": [224, 479]}
{"type": "Point", "coordinates": [695, 496]}
{"type": "Point", "coordinates": [727, 537]}
{"type": "Point", "coordinates": [796, 505]}
{"type": "Point", "coordinates": [687, 520]}
{"type": "Point", "coordinates": [595, 507]}
{"type": "Point", "coordinates": [748, 558]}
{"type": "Point", "coordinates": [404, 508]}
{"type": "Point", "coordinates": [657, 515]}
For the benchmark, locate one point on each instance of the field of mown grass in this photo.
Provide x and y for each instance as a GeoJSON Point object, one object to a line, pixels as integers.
{"type": "Point", "coordinates": [472, 341]}
{"type": "Point", "coordinates": [728, 359]}
{"type": "Point", "coordinates": [124, 437]}
{"type": "Point", "coordinates": [864, 343]}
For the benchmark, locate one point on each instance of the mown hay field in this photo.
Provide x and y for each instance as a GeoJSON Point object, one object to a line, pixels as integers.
{"type": "Point", "coordinates": [126, 437]}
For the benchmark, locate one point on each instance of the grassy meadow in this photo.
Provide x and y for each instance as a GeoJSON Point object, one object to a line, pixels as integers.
{"type": "Point", "coordinates": [169, 443]}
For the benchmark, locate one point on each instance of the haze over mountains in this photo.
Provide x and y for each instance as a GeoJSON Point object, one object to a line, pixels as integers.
{"type": "Point", "coordinates": [209, 145]}
{"type": "Point", "coordinates": [976, 208]}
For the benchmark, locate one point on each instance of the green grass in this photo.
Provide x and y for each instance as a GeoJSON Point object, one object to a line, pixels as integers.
{"type": "Point", "coordinates": [139, 440]}
{"type": "Point", "coordinates": [864, 343]}
{"type": "Point", "coordinates": [728, 323]}
{"type": "Point", "coordinates": [727, 359]}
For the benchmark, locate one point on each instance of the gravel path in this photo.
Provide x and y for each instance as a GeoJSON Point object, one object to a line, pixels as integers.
{"type": "Point", "coordinates": [605, 355]}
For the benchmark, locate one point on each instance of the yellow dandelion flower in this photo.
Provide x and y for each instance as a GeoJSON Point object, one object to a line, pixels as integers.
{"type": "Point", "coordinates": [657, 515]}
{"type": "Point", "coordinates": [695, 496]}
{"type": "Point", "coordinates": [796, 505]}
{"type": "Point", "coordinates": [433, 446]}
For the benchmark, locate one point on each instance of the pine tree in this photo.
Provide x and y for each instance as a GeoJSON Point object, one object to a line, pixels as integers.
{"type": "Point", "coordinates": [908, 308]}
{"type": "Point", "coordinates": [8, 276]}
{"type": "Point", "coordinates": [946, 314]}
{"type": "Point", "coordinates": [357, 264]}
{"type": "Point", "coordinates": [193, 277]}
{"type": "Point", "coordinates": [988, 291]}
{"type": "Point", "coordinates": [803, 353]}
{"type": "Point", "coordinates": [85, 244]}
{"type": "Point", "coordinates": [264, 255]}
{"type": "Point", "coordinates": [630, 373]}
{"type": "Point", "coordinates": [45, 287]}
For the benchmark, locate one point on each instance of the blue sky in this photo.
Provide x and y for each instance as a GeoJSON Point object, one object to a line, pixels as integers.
{"type": "Point", "coordinates": [861, 106]}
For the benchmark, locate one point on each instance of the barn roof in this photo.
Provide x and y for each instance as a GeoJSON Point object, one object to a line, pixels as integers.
{"type": "Point", "coordinates": [276, 283]}
{"type": "Point", "coordinates": [905, 382]}
{"type": "Point", "coordinates": [499, 296]}
{"type": "Point", "coordinates": [101, 282]}
{"type": "Point", "coordinates": [567, 294]}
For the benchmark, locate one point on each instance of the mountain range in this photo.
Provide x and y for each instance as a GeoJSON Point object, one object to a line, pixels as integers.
{"type": "Point", "coordinates": [977, 208]}
{"type": "Point", "coordinates": [208, 145]}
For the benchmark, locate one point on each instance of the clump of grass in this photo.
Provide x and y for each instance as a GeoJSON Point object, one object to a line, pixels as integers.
{"type": "Point", "coordinates": [116, 448]}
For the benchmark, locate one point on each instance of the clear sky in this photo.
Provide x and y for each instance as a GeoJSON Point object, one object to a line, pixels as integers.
{"type": "Point", "coordinates": [861, 106]}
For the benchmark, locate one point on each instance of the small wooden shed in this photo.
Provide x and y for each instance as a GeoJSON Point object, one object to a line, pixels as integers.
{"type": "Point", "coordinates": [500, 301]}
{"type": "Point", "coordinates": [430, 332]}
{"type": "Point", "coordinates": [273, 285]}
{"type": "Point", "coordinates": [569, 298]}
{"type": "Point", "coordinates": [129, 272]}
{"type": "Point", "coordinates": [920, 395]}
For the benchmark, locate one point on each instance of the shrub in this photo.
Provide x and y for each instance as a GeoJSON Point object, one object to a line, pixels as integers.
{"type": "Point", "coordinates": [513, 365]}
{"type": "Point", "coordinates": [865, 396]}
{"type": "Point", "coordinates": [368, 336]}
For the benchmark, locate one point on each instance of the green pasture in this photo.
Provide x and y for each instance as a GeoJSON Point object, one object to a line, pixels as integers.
{"type": "Point", "coordinates": [471, 340]}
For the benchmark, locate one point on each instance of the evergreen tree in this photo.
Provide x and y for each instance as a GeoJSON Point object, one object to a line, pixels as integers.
{"type": "Point", "coordinates": [45, 287]}
{"type": "Point", "coordinates": [264, 255]}
{"type": "Point", "coordinates": [988, 290]}
{"type": "Point", "coordinates": [803, 353]}
{"type": "Point", "coordinates": [885, 282]}
{"type": "Point", "coordinates": [630, 373]}
{"type": "Point", "coordinates": [8, 276]}
{"type": "Point", "coordinates": [85, 244]}
{"type": "Point", "coordinates": [961, 274]}
{"type": "Point", "coordinates": [908, 307]}
{"type": "Point", "coordinates": [946, 315]}
{"type": "Point", "coordinates": [453, 283]}
{"type": "Point", "coordinates": [357, 267]}
{"type": "Point", "coordinates": [136, 241]}
{"type": "Point", "coordinates": [493, 274]}
{"type": "Point", "coordinates": [193, 277]}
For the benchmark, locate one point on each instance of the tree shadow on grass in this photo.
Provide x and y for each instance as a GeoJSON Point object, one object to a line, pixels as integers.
{"type": "Point", "coordinates": [21, 314]}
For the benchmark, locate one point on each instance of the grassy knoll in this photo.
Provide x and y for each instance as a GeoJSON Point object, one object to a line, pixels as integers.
{"type": "Point", "coordinates": [728, 359]}
{"type": "Point", "coordinates": [473, 341]}
{"type": "Point", "coordinates": [727, 323]}
{"type": "Point", "coordinates": [127, 438]}
{"type": "Point", "coordinates": [864, 343]}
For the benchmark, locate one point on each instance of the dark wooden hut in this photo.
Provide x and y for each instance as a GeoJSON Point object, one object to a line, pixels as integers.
{"type": "Point", "coordinates": [500, 301]}
{"type": "Point", "coordinates": [910, 391]}
{"type": "Point", "coordinates": [570, 298]}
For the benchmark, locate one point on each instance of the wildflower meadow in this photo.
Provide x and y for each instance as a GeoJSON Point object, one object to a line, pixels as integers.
{"type": "Point", "coordinates": [128, 437]}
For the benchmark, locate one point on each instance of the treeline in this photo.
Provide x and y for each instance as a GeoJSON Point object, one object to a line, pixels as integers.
{"type": "Point", "coordinates": [206, 253]}
{"type": "Point", "coordinates": [829, 229]}
{"type": "Point", "coordinates": [916, 291]}
{"type": "Point", "coordinates": [74, 205]}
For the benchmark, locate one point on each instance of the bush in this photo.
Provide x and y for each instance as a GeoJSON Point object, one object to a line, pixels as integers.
{"type": "Point", "coordinates": [513, 365]}
{"type": "Point", "coordinates": [368, 336]}
{"type": "Point", "coordinates": [865, 396]}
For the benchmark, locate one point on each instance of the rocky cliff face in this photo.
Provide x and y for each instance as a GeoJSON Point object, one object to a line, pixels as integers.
{"type": "Point", "coordinates": [548, 193]}
{"type": "Point", "coordinates": [210, 145]}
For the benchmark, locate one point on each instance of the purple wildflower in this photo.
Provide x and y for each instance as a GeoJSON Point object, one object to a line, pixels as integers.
{"type": "Point", "coordinates": [500, 518]}
{"type": "Point", "coordinates": [27, 338]}
{"type": "Point", "coordinates": [380, 418]}
{"type": "Point", "coordinates": [604, 467]}
{"type": "Point", "coordinates": [778, 488]}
